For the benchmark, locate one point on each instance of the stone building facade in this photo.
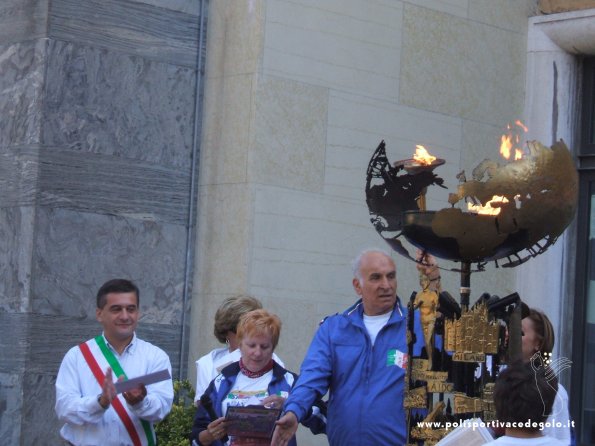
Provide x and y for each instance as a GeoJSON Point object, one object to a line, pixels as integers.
{"type": "Point", "coordinates": [107, 162]}
{"type": "Point", "coordinates": [97, 129]}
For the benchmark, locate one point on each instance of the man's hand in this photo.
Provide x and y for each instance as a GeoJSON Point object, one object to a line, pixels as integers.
{"type": "Point", "coordinates": [429, 273]}
{"type": "Point", "coordinates": [136, 395]}
{"type": "Point", "coordinates": [108, 390]}
{"type": "Point", "coordinates": [286, 427]}
{"type": "Point", "coordinates": [428, 265]}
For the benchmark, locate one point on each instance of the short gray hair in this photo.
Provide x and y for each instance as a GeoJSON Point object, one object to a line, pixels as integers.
{"type": "Point", "coordinates": [356, 263]}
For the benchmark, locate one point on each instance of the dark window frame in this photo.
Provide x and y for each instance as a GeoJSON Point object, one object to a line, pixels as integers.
{"type": "Point", "coordinates": [586, 161]}
{"type": "Point", "coordinates": [587, 133]}
{"type": "Point", "coordinates": [586, 187]}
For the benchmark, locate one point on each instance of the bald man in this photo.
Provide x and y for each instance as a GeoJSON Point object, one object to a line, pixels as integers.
{"type": "Point", "coordinates": [360, 357]}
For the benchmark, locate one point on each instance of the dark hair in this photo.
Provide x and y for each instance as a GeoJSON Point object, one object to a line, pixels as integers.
{"type": "Point", "coordinates": [544, 329]}
{"type": "Point", "coordinates": [116, 286]}
{"type": "Point", "coordinates": [229, 313]}
{"type": "Point", "coordinates": [523, 393]}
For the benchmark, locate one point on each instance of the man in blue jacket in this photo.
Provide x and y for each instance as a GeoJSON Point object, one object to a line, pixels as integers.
{"type": "Point", "coordinates": [360, 356]}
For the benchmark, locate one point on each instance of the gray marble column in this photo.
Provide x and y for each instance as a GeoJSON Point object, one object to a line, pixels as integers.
{"type": "Point", "coordinates": [97, 130]}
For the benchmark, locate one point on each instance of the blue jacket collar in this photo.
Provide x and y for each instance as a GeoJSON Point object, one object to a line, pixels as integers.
{"type": "Point", "coordinates": [358, 309]}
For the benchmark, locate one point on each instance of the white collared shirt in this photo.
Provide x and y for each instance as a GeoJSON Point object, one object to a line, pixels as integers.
{"type": "Point", "coordinates": [86, 422]}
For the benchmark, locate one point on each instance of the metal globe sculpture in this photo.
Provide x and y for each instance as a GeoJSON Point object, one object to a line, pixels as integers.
{"type": "Point", "coordinates": [533, 199]}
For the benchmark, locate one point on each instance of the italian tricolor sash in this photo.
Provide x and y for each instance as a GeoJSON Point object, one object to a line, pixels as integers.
{"type": "Point", "coordinates": [133, 431]}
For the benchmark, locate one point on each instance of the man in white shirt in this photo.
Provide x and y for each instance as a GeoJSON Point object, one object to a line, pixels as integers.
{"type": "Point", "coordinates": [86, 397]}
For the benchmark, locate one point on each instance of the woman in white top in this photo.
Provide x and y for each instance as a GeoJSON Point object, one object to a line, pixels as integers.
{"type": "Point", "coordinates": [538, 337]}
{"type": "Point", "coordinates": [226, 321]}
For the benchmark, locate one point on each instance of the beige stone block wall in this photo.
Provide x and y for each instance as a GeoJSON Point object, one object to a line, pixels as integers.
{"type": "Point", "coordinates": [299, 93]}
{"type": "Point", "coordinates": [349, 45]}
{"type": "Point", "coordinates": [289, 135]}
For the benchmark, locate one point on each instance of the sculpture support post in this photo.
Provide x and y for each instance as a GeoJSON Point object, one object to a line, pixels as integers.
{"type": "Point", "coordinates": [515, 334]}
{"type": "Point", "coordinates": [466, 370]}
{"type": "Point", "coordinates": [465, 284]}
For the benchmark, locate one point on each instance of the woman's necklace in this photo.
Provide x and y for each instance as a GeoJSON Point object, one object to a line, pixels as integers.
{"type": "Point", "coordinates": [250, 374]}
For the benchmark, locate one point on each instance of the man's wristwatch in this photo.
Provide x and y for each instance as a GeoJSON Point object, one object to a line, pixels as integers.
{"type": "Point", "coordinates": [99, 401]}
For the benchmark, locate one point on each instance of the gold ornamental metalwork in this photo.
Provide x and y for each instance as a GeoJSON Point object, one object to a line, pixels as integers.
{"type": "Point", "coordinates": [416, 398]}
{"type": "Point", "coordinates": [472, 336]}
{"type": "Point", "coordinates": [428, 434]}
{"type": "Point", "coordinates": [466, 404]}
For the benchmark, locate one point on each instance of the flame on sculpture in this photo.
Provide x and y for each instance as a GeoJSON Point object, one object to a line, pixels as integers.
{"type": "Point", "coordinates": [519, 206]}
{"type": "Point", "coordinates": [511, 141]}
{"type": "Point", "coordinates": [492, 207]}
{"type": "Point", "coordinates": [422, 156]}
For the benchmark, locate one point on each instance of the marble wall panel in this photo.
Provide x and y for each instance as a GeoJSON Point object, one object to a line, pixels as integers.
{"type": "Point", "coordinates": [40, 425]}
{"type": "Point", "coordinates": [186, 6]}
{"type": "Point", "coordinates": [37, 343]}
{"type": "Point", "coordinates": [167, 337]}
{"type": "Point", "coordinates": [111, 185]}
{"type": "Point", "coordinates": [22, 20]}
{"type": "Point", "coordinates": [76, 252]}
{"type": "Point", "coordinates": [350, 46]}
{"type": "Point", "coordinates": [21, 91]}
{"type": "Point", "coordinates": [462, 68]}
{"type": "Point", "coordinates": [14, 328]}
{"type": "Point", "coordinates": [11, 404]}
{"type": "Point", "coordinates": [19, 168]}
{"type": "Point", "coordinates": [105, 91]}
{"type": "Point", "coordinates": [16, 232]}
{"type": "Point", "coordinates": [290, 135]}
{"type": "Point", "coordinates": [127, 26]}
{"type": "Point", "coordinates": [113, 104]}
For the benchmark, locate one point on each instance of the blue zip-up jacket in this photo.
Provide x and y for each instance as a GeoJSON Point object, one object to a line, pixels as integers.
{"type": "Point", "coordinates": [365, 406]}
{"type": "Point", "coordinates": [282, 381]}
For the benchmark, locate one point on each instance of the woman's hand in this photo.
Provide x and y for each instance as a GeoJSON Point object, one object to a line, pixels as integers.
{"type": "Point", "coordinates": [216, 430]}
{"type": "Point", "coordinates": [273, 402]}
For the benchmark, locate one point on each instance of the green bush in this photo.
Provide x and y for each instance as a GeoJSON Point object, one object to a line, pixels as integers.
{"type": "Point", "coordinates": [175, 429]}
